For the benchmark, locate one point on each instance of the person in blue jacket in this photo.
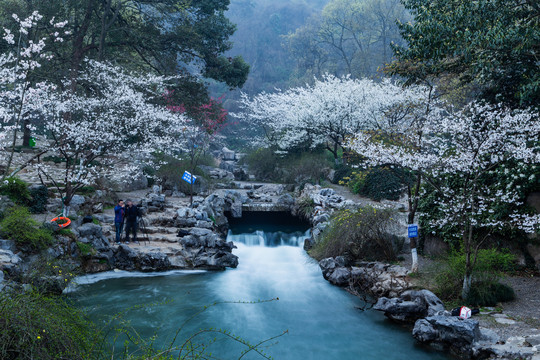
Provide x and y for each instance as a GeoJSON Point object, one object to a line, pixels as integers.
{"type": "Point", "coordinates": [119, 212]}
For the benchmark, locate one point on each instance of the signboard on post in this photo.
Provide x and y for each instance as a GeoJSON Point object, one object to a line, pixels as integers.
{"type": "Point", "coordinates": [412, 230]}
{"type": "Point", "coordinates": [187, 177]}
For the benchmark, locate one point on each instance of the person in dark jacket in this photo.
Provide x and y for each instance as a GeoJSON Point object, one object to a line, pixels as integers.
{"type": "Point", "coordinates": [119, 219]}
{"type": "Point", "coordinates": [131, 214]}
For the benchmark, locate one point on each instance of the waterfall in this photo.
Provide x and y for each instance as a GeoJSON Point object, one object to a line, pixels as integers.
{"type": "Point", "coordinates": [270, 239]}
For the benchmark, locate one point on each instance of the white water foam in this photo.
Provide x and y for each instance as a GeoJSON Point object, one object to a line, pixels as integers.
{"type": "Point", "coordinates": [116, 274]}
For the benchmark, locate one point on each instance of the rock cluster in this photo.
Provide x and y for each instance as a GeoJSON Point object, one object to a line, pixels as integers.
{"type": "Point", "coordinates": [448, 332]}
{"type": "Point", "coordinates": [203, 248]}
{"type": "Point", "coordinates": [376, 278]}
{"type": "Point", "coordinates": [229, 163]}
{"type": "Point", "coordinates": [9, 259]}
{"type": "Point", "coordinates": [410, 306]}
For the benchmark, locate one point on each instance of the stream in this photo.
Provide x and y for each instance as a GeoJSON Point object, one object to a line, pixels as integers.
{"type": "Point", "coordinates": [318, 321]}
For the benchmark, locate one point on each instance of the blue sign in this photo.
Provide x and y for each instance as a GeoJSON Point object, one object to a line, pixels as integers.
{"type": "Point", "coordinates": [187, 177]}
{"type": "Point", "coordinates": [412, 230]}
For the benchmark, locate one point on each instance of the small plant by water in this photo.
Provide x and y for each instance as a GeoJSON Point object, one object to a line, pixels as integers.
{"type": "Point", "coordinates": [19, 226]}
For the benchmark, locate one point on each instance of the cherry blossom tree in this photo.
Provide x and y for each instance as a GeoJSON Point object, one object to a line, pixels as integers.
{"type": "Point", "coordinates": [111, 124]}
{"type": "Point", "coordinates": [467, 145]}
{"type": "Point", "coordinates": [20, 92]}
{"type": "Point", "coordinates": [327, 112]}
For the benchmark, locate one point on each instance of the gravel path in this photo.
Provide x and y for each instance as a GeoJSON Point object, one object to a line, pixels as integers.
{"type": "Point", "coordinates": [526, 307]}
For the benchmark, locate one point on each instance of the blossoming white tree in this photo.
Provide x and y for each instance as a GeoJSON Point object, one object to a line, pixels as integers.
{"type": "Point", "coordinates": [327, 112]}
{"type": "Point", "coordinates": [468, 144]}
{"type": "Point", "coordinates": [20, 92]}
{"type": "Point", "coordinates": [114, 118]}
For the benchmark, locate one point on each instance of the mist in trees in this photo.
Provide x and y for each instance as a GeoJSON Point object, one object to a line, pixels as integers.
{"type": "Point", "coordinates": [288, 43]}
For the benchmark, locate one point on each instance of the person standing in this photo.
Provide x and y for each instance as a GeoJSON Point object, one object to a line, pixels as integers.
{"type": "Point", "coordinates": [119, 219]}
{"type": "Point", "coordinates": [131, 215]}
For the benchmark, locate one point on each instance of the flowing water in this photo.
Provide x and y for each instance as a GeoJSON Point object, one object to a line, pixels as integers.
{"type": "Point", "coordinates": [321, 321]}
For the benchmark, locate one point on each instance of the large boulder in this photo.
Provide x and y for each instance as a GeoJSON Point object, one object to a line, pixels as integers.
{"type": "Point", "coordinates": [126, 258]}
{"type": "Point", "coordinates": [228, 155]}
{"type": "Point", "coordinates": [340, 276]}
{"type": "Point", "coordinates": [285, 200]}
{"type": "Point", "coordinates": [76, 203]}
{"type": "Point", "coordinates": [271, 189]}
{"type": "Point", "coordinates": [410, 306]}
{"type": "Point", "coordinates": [448, 332]}
{"type": "Point", "coordinates": [329, 265]}
{"type": "Point", "coordinates": [90, 230]}
{"type": "Point", "coordinates": [379, 279]}
{"type": "Point", "coordinates": [153, 261]}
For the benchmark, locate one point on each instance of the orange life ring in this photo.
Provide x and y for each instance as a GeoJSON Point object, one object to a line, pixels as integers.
{"type": "Point", "coordinates": [66, 224]}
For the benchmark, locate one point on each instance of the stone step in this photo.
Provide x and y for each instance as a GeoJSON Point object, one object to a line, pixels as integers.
{"type": "Point", "coordinates": [168, 238]}
{"type": "Point", "coordinates": [160, 229]}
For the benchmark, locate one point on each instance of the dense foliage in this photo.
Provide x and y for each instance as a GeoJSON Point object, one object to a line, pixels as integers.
{"type": "Point", "coordinates": [16, 190]}
{"type": "Point", "coordinates": [164, 36]}
{"type": "Point", "coordinates": [363, 234]}
{"type": "Point", "coordinates": [35, 326]}
{"type": "Point", "coordinates": [378, 183]}
{"type": "Point", "coordinates": [292, 168]}
{"type": "Point", "coordinates": [18, 225]}
{"type": "Point", "coordinates": [486, 289]}
{"type": "Point", "coordinates": [492, 44]}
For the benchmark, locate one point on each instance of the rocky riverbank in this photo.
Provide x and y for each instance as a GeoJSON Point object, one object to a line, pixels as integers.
{"type": "Point", "coordinates": [172, 233]}
{"type": "Point", "coordinates": [393, 292]}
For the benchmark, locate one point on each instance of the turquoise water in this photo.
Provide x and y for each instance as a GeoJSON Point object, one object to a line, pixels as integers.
{"type": "Point", "coordinates": [321, 321]}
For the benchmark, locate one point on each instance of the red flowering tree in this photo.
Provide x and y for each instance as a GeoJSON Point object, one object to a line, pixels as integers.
{"type": "Point", "coordinates": [206, 121]}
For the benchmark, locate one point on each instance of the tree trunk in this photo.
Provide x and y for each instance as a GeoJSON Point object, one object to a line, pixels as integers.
{"type": "Point", "coordinates": [467, 244]}
{"type": "Point", "coordinates": [27, 133]}
{"type": "Point", "coordinates": [467, 281]}
{"type": "Point", "coordinates": [413, 205]}
{"type": "Point", "coordinates": [414, 255]}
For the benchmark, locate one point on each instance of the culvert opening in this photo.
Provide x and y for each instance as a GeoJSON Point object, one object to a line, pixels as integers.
{"type": "Point", "coordinates": [267, 221]}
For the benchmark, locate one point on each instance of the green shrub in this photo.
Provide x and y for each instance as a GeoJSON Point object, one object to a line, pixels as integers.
{"type": "Point", "coordinates": [489, 294]}
{"type": "Point", "coordinates": [485, 287]}
{"type": "Point", "coordinates": [39, 195]}
{"type": "Point", "coordinates": [86, 190]}
{"type": "Point", "coordinates": [305, 168]}
{"type": "Point", "coordinates": [306, 205]}
{"type": "Point", "coordinates": [19, 226]}
{"type": "Point", "coordinates": [359, 235]}
{"type": "Point", "coordinates": [67, 233]}
{"type": "Point", "coordinates": [264, 164]}
{"type": "Point", "coordinates": [378, 183]}
{"type": "Point", "coordinates": [343, 172]}
{"type": "Point", "coordinates": [86, 249]}
{"type": "Point", "coordinates": [34, 326]}
{"type": "Point", "coordinates": [16, 190]}
{"type": "Point", "coordinates": [383, 183]}
{"type": "Point", "coordinates": [293, 168]}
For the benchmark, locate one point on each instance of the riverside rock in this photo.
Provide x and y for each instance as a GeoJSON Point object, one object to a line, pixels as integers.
{"type": "Point", "coordinates": [126, 258]}
{"type": "Point", "coordinates": [410, 306]}
{"type": "Point", "coordinates": [379, 279]}
{"type": "Point", "coordinates": [328, 265]}
{"type": "Point", "coordinates": [448, 332]}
